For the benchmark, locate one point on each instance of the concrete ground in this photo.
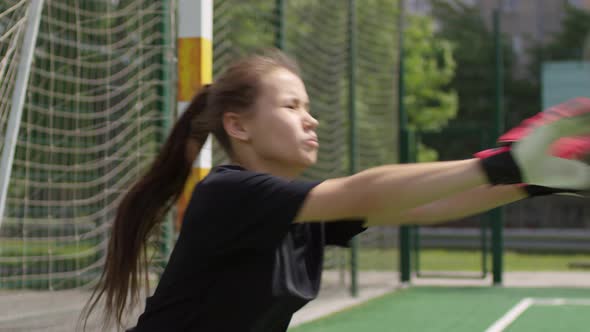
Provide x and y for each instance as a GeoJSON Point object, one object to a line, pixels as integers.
{"type": "Point", "coordinates": [58, 311]}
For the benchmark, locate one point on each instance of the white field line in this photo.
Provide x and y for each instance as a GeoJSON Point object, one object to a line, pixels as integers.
{"type": "Point", "coordinates": [501, 324]}
{"type": "Point", "coordinates": [511, 315]}
{"type": "Point", "coordinates": [561, 301]}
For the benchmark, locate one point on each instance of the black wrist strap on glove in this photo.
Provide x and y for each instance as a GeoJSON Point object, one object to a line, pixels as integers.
{"type": "Point", "coordinates": [535, 191]}
{"type": "Point", "coordinates": [500, 167]}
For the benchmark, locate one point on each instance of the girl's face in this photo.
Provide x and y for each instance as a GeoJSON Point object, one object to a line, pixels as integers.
{"type": "Point", "coordinates": [281, 129]}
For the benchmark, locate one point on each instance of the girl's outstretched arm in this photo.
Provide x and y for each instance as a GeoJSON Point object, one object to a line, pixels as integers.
{"type": "Point", "coordinates": [380, 193]}
{"type": "Point", "coordinates": [467, 203]}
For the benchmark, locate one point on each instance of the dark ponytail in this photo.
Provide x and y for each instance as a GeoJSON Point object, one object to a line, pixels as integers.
{"type": "Point", "coordinates": [142, 208]}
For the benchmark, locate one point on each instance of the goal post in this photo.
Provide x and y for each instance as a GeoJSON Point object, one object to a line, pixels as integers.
{"type": "Point", "coordinates": [33, 18]}
{"type": "Point", "coordinates": [195, 59]}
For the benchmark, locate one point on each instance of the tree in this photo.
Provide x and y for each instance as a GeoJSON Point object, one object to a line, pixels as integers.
{"type": "Point", "coordinates": [429, 68]}
{"type": "Point", "coordinates": [474, 82]}
{"type": "Point", "coordinates": [568, 44]}
{"type": "Point", "coordinates": [317, 35]}
{"type": "Point", "coordinates": [474, 52]}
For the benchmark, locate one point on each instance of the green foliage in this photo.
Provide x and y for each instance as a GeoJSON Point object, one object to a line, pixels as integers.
{"type": "Point", "coordinates": [474, 51]}
{"type": "Point", "coordinates": [429, 68]}
{"type": "Point", "coordinates": [376, 83]}
{"type": "Point", "coordinates": [241, 27]}
{"type": "Point", "coordinates": [473, 45]}
{"type": "Point", "coordinates": [569, 43]}
{"type": "Point", "coordinates": [317, 35]}
{"type": "Point", "coordinates": [426, 153]}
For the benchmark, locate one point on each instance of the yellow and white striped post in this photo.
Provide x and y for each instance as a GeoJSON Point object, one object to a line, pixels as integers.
{"type": "Point", "coordinates": [195, 32]}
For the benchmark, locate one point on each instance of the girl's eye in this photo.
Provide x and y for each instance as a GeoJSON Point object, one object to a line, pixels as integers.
{"type": "Point", "coordinates": [291, 107]}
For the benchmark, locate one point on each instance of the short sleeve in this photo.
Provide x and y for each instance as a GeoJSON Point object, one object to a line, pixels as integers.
{"type": "Point", "coordinates": [339, 233]}
{"type": "Point", "coordinates": [240, 209]}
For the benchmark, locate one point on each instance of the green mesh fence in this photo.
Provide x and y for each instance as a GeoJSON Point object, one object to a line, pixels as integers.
{"type": "Point", "coordinates": [318, 35]}
{"type": "Point", "coordinates": [96, 108]}
{"type": "Point", "coordinates": [513, 72]}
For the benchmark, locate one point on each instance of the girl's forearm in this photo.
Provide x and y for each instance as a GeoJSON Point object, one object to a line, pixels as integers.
{"type": "Point", "coordinates": [382, 192]}
{"type": "Point", "coordinates": [467, 203]}
{"type": "Point", "coordinates": [416, 185]}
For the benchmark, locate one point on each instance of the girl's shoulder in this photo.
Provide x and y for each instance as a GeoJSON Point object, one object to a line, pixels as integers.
{"type": "Point", "coordinates": [233, 179]}
{"type": "Point", "coordinates": [227, 175]}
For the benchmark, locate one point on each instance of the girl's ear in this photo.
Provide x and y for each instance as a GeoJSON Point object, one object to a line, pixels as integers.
{"type": "Point", "coordinates": [234, 126]}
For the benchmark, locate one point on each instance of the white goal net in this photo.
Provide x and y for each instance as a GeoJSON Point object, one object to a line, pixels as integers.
{"type": "Point", "coordinates": [94, 117]}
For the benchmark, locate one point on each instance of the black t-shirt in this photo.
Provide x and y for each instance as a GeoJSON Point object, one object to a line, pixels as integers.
{"type": "Point", "coordinates": [240, 263]}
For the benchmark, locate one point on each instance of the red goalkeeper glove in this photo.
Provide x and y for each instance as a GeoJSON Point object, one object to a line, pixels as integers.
{"type": "Point", "coordinates": [536, 190]}
{"type": "Point", "coordinates": [571, 150]}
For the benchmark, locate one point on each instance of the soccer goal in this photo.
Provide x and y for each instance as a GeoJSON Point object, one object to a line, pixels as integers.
{"type": "Point", "coordinates": [95, 108]}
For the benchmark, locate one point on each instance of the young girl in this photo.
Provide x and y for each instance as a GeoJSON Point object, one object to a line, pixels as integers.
{"type": "Point", "coordinates": [251, 246]}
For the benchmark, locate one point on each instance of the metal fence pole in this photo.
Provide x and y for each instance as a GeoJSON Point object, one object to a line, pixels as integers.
{"type": "Point", "coordinates": [352, 159]}
{"type": "Point", "coordinates": [404, 148]}
{"type": "Point", "coordinates": [280, 24]}
{"type": "Point", "coordinates": [496, 214]}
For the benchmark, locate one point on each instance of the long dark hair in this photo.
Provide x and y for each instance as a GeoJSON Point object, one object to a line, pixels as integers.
{"type": "Point", "coordinates": [145, 205]}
